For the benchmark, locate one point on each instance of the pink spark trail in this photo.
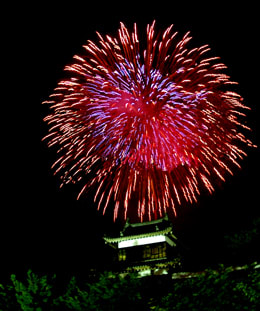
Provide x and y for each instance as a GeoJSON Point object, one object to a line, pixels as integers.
{"type": "Point", "coordinates": [147, 129]}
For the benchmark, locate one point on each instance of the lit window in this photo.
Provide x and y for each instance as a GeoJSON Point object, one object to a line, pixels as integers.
{"type": "Point", "coordinates": [122, 255]}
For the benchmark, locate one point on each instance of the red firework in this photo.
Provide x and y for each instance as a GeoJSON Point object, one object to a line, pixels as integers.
{"type": "Point", "coordinates": [148, 129]}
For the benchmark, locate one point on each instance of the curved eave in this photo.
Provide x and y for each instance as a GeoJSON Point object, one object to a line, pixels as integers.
{"type": "Point", "coordinates": [143, 239]}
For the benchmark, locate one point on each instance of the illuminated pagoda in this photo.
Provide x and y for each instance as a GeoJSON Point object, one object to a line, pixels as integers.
{"type": "Point", "coordinates": [146, 248]}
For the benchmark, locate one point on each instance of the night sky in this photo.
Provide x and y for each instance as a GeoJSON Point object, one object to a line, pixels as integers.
{"type": "Point", "coordinates": [45, 228]}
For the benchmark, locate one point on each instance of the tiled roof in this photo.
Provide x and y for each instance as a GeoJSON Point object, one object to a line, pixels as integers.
{"type": "Point", "coordinates": [145, 227]}
{"type": "Point", "coordinates": [138, 236]}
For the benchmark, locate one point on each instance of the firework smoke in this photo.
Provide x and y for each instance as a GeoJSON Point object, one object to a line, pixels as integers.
{"type": "Point", "coordinates": [148, 129]}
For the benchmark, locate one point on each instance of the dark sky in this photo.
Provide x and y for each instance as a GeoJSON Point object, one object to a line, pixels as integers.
{"type": "Point", "coordinates": [49, 229]}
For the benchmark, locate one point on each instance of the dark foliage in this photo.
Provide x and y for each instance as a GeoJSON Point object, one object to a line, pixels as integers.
{"type": "Point", "coordinates": [220, 289]}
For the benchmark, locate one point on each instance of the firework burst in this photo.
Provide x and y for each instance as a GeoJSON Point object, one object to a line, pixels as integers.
{"type": "Point", "coordinates": [148, 129]}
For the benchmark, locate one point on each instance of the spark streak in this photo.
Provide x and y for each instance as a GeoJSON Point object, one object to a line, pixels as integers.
{"type": "Point", "coordinates": [147, 128]}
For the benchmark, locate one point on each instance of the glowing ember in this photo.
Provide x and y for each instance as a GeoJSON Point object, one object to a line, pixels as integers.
{"type": "Point", "coordinates": [147, 128]}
